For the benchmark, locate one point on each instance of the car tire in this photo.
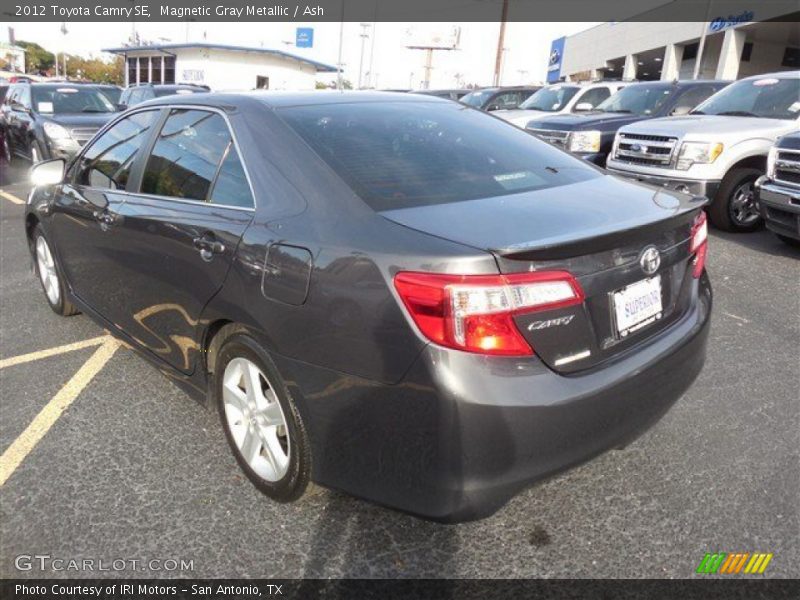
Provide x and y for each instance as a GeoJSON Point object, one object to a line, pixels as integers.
{"type": "Point", "coordinates": [268, 440]}
{"type": "Point", "coordinates": [50, 276]}
{"type": "Point", "coordinates": [733, 208]}
{"type": "Point", "coordinates": [789, 241]}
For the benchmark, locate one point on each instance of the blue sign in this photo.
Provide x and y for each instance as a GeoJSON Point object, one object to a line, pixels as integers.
{"type": "Point", "coordinates": [304, 38]}
{"type": "Point", "coordinates": [721, 23]}
{"type": "Point", "coordinates": [556, 58]}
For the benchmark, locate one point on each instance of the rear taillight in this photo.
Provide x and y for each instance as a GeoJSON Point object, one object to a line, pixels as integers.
{"type": "Point", "coordinates": [475, 313]}
{"type": "Point", "coordinates": [699, 244]}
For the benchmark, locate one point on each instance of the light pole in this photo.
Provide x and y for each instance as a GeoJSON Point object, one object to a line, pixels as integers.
{"type": "Point", "coordinates": [363, 35]}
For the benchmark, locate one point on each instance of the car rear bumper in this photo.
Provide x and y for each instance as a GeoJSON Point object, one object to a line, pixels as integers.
{"type": "Point", "coordinates": [462, 433]}
{"type": "Point", "coordinates": [694, 187]}
{"type": "Point", "coordinates": [780, 207]}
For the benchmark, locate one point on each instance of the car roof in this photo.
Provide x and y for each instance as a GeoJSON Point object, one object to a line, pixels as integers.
{"type": "Point", "coordinates": [275, 99]}
{"type": "Point", "coordinates": [777, 75]}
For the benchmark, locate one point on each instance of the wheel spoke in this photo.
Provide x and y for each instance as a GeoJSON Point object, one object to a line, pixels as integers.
{"type": "Point", "coordinates": [233, 396]}
{"type": "Point", "coordinates": [252, 379]}
{"type": "Point", "coordinates": [251, 446]}
{"type": "Point", "coordinates": [274, 450]}
{"type": "Point", "coordinates": [272, 414]}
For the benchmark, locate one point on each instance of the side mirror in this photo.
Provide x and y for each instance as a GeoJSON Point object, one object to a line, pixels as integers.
{"type": "Point", "coordinates": [121, 107]}
{"type": "Point", "coordinates": [680, 110]}
{"type": "Point", "coordinates": [19, 107]}
{"type": "Point", "coordinates": [584, 106]}
{"type": "Point", "coordinates": [492, 107]}
{"type": "Point", "coordinates": [48, 172]}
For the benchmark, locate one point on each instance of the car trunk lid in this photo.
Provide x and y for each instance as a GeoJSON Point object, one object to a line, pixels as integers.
{"type": "Point", "coordinates": [598, 230]}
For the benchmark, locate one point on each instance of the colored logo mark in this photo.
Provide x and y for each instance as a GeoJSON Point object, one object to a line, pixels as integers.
{"type": "Point", "coordinates": [735, 562]}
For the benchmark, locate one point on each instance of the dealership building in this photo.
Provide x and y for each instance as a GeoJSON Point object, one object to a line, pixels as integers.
{"type": "Point", "coordinates": [219, 66]}
{"type": "Point", "coordinates": [727, 46]}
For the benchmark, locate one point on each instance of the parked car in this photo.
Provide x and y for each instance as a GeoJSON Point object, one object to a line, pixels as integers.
{"type": "Point", "coordinates": [52, 120]}
{"type": "Point", "coordinates": [401, 299]}
{"type": "Point", "coordinates": [112, 92]}
{"type": "Point", "coordinates": [778, 192]}
{"type": "Point", "coordinates": [590, 135]}
{"type": "Point", "coordinates": [498, 98]}
{"type": "Point", "coordinates": [142, 92]}
{"type": "Point", "coordinates": [448, 94]}
{"type": "Point", "coordinates": [560, 98]}
{"type": "Point", "coordinates": [718, 150]}
{"type": "Point", "coordinates": [4, 153]}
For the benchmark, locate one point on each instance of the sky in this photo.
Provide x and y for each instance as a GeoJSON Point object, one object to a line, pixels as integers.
{"type": "Point", "coordinates": [393, 66]}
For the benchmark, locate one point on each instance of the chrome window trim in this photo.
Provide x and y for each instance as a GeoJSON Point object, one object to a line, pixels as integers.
{"type": "Point", "coordinates": [158, 108]}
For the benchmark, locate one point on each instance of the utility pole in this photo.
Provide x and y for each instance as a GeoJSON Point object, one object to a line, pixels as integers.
{"type": "Point", "coordinates": [339, 82]}
{"type": "Point", "coordinates": [363, 35]}
{"type": "Point", "coordinates": [498, 61]}
{"type": "Point", "coordinates": [64, 53]}
{"type": "Point", "coordinates": [371, 79]}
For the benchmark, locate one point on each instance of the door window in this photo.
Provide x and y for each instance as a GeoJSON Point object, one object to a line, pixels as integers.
{"type": "Point", "coordinates": [194, 158]}
{"type": "Point", "coordinates": [507, 100]}
{"type": "Point", "coordinates": [107, 162]}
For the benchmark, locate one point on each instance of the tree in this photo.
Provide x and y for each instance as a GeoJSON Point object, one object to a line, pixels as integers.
{"type": "Point", "coordinates": [96, 69]}
{"type": "Point", "coordinates": [37, 59]}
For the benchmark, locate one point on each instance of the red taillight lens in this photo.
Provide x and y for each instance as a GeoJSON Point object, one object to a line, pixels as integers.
{"type": "Point", "coordinates": [699, 244]}
{"type": "Point", "coordinates": [475, 312]}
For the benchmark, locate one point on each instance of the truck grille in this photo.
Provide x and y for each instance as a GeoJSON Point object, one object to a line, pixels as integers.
{"type": "Point", "coordinates": [650, 150]}
{"type": "Point", "coordinates": [558, 138]}
{"type": "Point", "coordinates": [787, 167]}
{"type": "Point", "coordinates": [83, 134]}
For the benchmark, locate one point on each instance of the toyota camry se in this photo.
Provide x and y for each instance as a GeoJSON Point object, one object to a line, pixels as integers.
{"type": "Point", "coordinates": [393, 295]}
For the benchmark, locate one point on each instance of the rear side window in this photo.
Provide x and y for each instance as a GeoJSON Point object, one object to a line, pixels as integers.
{"type": "Point", "coordinates": [400, 154]}
{"type": "Point", "coordinates": [194, 158]}
{"type": "Point", "coordinates": [107, 162]}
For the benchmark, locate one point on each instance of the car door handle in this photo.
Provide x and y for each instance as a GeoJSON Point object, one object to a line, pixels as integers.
{"type": "Point", "coordinates": [208, 246]}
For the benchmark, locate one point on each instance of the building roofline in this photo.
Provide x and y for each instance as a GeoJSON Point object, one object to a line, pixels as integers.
{"type": "Point", "coordinates": [320, 67]}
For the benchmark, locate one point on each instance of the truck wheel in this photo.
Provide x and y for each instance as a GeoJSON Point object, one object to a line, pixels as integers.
{"type": "Point", "coordinates": [734, 207]}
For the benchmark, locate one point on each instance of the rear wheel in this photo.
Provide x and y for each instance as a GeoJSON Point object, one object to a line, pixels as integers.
{"type": "Point", "coordinates": [50, 276]}
{"type": "Point", "coordinates": [261, 422]}
{"type": "Point", "coordinates": [734, 207]}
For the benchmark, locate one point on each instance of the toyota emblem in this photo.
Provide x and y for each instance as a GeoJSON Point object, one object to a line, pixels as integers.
{"type": "Point", "coordinates": [650, 260]}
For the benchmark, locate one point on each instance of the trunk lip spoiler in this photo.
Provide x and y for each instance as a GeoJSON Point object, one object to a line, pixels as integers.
{"type": "Point", "coordinates": [572, 248]}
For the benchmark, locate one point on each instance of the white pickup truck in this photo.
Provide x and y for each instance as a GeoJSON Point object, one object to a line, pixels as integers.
{"type": "Point", "coordinates": [718, 150]}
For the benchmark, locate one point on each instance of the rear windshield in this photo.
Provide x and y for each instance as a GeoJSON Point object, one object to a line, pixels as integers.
{"type": "Point", "coordinates": [401, 154]}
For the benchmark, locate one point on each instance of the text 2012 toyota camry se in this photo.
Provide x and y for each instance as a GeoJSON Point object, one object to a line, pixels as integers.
{"type": "Point", "coordinates": [395, 296]}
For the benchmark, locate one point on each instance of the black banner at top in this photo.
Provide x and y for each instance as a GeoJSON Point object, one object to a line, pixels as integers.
{"type": "Point", "coordinates": [398, 10]}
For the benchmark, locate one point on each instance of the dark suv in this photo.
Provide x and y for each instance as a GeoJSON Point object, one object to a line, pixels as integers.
{"type": "Point", "coordinates": [778, 192]}
{"type": "Point", "coordinates": [52, 120]}
{"type": "Point", "coordinates": [142, 92]}
{"type": "Point", "coordinates": [590, 135]}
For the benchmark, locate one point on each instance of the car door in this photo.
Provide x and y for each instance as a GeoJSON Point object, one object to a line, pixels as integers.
{"type": "Point", "coordinates": [177, 234]}
{"type": "Point", "coordinates": [16, 121]}
{"type": "Point", "coordinates": [86, 211]}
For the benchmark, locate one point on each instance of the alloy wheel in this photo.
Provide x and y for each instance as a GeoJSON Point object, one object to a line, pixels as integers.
{"type": "Point", "coordinates": [743, 205]}
{"type": "Point", "coordinates": [47, 270]}
{"type": "Point", "coordinates": [255, 419]}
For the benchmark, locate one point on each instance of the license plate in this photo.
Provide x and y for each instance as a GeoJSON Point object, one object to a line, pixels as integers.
{"type": "Point", "coordinates": [638, 305]}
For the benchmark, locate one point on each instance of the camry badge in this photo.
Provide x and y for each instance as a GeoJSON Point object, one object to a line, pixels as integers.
{"type": "Point", "coordinates": [650, 260]}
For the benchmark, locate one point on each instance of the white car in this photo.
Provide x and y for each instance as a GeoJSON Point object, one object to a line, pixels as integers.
{"type": "Point", "coordinates": [718, 150]}
{"type": "Point", "coordinates": [560, 98]}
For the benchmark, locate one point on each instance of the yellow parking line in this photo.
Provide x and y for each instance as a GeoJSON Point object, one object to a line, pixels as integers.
{"type": "Point", "coordinates": [11, 197]}
{"type": "Point", "coordinates": [41, 424]}
{"type": "Point", "coordinates": [24, 358]}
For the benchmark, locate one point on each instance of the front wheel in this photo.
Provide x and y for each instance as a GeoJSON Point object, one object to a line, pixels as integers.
{"type": "Point", "coordinates": [734, 207]}
{"type": "Point", "coordinates": [262, 424]}
{"type": "Point", "coordinates": [50, 276]}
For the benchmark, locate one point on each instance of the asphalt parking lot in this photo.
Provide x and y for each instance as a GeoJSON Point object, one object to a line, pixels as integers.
{"type": "Point", "coordinates": [134, 469]}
